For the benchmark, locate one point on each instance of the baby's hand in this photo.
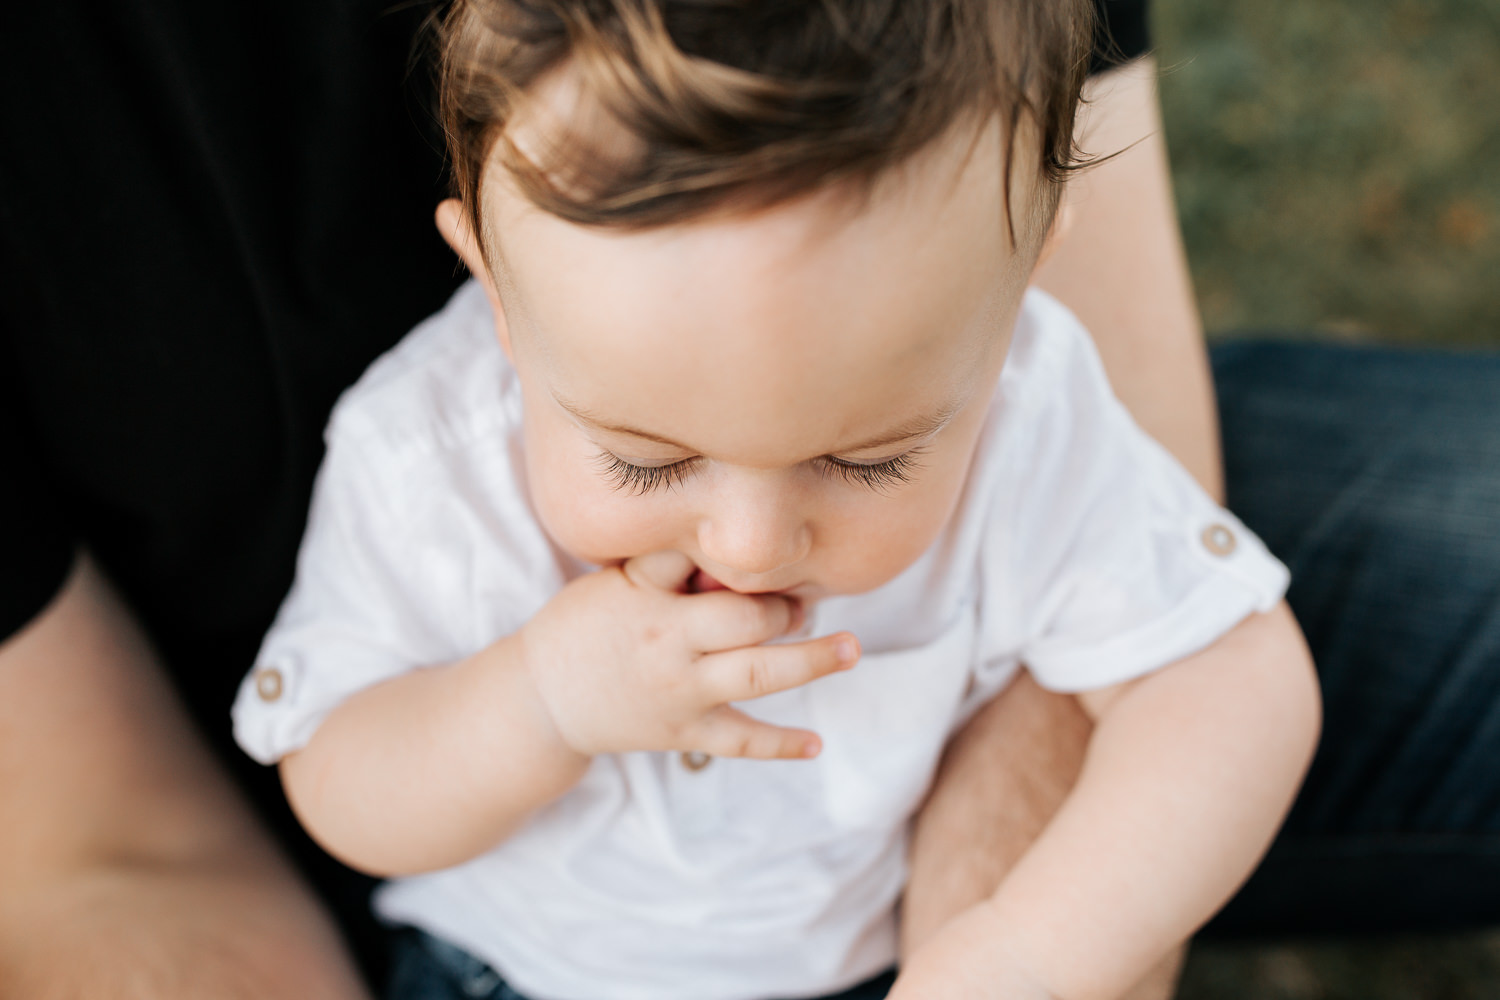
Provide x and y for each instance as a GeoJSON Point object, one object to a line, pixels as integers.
{"type": "Point", "coordinates": [623, 660]}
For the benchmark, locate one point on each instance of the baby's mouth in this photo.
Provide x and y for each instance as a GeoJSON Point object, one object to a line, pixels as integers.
{"type": "Point", "coordinates": [701, 583]}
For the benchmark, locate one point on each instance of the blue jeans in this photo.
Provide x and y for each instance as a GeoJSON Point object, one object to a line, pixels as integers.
{"type": "Point", "coordinates": [1375, 475]}
{"type": "Point", "coordinates": [425, 968]}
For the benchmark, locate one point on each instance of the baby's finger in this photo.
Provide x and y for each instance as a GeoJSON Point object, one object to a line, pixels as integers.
{"type": "Point", "coordinates": [665, 570]}
{"type": "Point", "coordinates": [722, 619]}
{"type": "Point", "coordinates": [728, 732]}
{"type": "Point", "coordinates": [743, 674]}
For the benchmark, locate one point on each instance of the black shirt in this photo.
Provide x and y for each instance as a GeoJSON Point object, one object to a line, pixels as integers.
{"type": "Point", "coordinates": [213, 216]}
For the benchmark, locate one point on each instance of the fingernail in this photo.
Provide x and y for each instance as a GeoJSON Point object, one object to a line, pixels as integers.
{"type": "Point", "coordinates": [847, 649]}
{"type": "Point", "coordinates": [812, 747]}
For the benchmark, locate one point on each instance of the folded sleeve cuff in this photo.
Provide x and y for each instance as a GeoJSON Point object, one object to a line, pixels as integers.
{"type": "Point", "coordinates": [1243, 578]}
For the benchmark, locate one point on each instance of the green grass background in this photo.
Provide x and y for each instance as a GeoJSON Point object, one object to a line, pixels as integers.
{"type": "Point", "coordinates": [1337, 167]}
{"type": "Point", "coordinates": [1337, 164]}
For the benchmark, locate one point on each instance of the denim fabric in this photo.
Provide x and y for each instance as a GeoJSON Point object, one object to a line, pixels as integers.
{"type": "Point", "coordinates": [426, 968]}
{"type": "Point", "coordinates": [1375, 475]}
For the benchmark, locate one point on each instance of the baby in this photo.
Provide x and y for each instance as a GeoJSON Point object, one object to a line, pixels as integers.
{"type": "Point", "coordinates": [644, 584]}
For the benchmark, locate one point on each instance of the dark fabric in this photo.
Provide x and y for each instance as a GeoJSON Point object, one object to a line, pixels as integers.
{"type": "Point", "coordinates": [1122, 33]}
{"type": "Point", "coordinates": [426, 968]}
{"type": "Point", "coordinates": [215, 215]}
{"type": "Point", "coordinates": [1375, 475]}
{"type": "Point", "coordinates": [37, 539]}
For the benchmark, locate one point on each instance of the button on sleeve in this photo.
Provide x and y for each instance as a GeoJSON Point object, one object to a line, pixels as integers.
{"type": "Point", "coordinates": [351, 619]}
{"type": "Point", "coordinates": [1116, 561]}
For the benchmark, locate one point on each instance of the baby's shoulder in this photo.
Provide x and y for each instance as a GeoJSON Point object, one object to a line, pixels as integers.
{"type": "Point", "coordinates": [1052, 363]}
{"type": "Point", "coordinates": [445, 385]}
{"type": "Point", "coordinates": [1052, 392]}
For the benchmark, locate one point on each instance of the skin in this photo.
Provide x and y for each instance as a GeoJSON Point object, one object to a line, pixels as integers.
{"type": "Point", "coordinates": [772, 352]}
{"type": "Point", "coordinates": [1124, 272]}
{"type": "Point", "coordinates": [751, 353]}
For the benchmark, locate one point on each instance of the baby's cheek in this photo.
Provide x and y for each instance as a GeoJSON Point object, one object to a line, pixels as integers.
{"type": "Point", "coordinates": [869, 560]}
{"type": "Point", "coordinates": [590, 532]}
{"type": "Point", "coordinates": [872, 541]}
{"type": "Point", "coordinates": [589, 519]}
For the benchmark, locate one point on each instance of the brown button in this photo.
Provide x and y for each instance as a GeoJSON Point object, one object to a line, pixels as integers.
{"type": "Point", "coordinates": [268, 683]}
{"type": "Point", "coordinates": [695, 760]}
{"type": "Point", "coordinates": [1219, 540]}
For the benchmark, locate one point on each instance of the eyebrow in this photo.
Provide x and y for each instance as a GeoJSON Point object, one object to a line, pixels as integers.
{"type": "Point", "coordinates": [917, 428]}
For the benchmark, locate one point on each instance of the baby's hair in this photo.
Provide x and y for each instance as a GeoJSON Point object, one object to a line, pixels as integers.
{"type": "Point", "coordinates": [752, 101]}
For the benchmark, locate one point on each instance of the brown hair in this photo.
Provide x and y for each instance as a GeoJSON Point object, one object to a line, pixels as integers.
{"type": "Point", "coordinates": [752, 99]}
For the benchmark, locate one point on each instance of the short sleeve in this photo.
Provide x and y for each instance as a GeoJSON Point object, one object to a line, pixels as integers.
{"type": "Point", "coordinates": [356, 614]}
{"type": "Point", "coordinates": [421, 546]}
{"type": "Point", "coordinates": [1114, 562]}
{"type": "Point", "coordinates": [1121, 33]}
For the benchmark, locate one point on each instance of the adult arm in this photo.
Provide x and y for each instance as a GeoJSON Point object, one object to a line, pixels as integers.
{"type": "Point", "coordinates": [1121, 268]}
{"type": "Point", "coordinates": [129, 868]}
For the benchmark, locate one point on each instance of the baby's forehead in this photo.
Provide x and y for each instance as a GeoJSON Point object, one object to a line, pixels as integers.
{"type": "Point", "coordinates": [762, 398]}
{"type": "Point", "coordinates": [892, 247]}
{"type": "Point", "coordinates": [816, 318]}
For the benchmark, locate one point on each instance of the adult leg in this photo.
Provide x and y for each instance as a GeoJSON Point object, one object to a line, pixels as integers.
{"type": "Point", "coordinates": [1375, 474]}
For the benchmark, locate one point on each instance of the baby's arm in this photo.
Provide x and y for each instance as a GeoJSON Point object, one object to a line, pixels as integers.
{"type": "Point", "coordinates": [436, 766]}
{"type": "Point", "coordinates": [431, 767]}
{"type": "Point", "coordinates": [1188, 775]}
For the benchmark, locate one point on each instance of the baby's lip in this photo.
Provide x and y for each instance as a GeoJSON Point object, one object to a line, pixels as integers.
{"type": "Point", "coordinates": [701, 583]}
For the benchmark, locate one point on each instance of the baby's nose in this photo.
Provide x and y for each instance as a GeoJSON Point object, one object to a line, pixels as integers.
{"type": "Point", "coordinates": [754, 539]}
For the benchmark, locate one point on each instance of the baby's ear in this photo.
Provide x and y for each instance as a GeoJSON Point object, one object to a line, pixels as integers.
{"type": "Point", "coordinates": [453, 223]}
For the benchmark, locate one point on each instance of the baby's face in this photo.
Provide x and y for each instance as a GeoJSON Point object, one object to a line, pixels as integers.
{"type": "Point", "coordinates": [790, 398]}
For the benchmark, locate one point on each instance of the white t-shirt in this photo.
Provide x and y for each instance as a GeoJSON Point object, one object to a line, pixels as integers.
{"type": "Point", "coordinates": [1079, 548]}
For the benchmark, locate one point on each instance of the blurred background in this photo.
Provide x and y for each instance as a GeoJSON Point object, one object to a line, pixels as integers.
{"type": "Point", "coordinates": [1337, 165]}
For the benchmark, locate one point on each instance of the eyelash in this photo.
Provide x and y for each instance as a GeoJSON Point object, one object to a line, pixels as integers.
{"type": "Point", "coordinates": [639, 480]}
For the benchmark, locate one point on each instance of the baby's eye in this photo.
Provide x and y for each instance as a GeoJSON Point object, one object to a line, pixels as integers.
{"type": "Point", "coordinates": [878, 476]}
{"type": "Point", "coordinates": [641, 479]}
